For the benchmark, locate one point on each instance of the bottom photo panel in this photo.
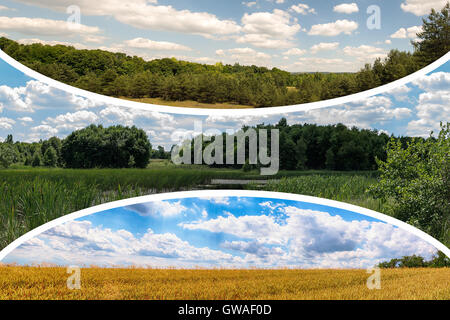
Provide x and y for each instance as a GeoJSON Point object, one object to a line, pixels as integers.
{"type": "Point", "coordinates": [225, 245]}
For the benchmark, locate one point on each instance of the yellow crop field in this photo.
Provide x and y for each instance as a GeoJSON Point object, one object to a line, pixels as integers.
{"type": "Point", "coordinates": [174, 284]}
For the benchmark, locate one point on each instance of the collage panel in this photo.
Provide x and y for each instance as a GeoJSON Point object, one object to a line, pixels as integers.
{"type": "Point", "coordinates": [259, 152]}
{"type": "Point", "coordinates": [227, 246]}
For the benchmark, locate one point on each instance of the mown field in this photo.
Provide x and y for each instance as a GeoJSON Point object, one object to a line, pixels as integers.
{"type": "Point", "coordinates": [188, 103]}
{"type": "Point", "coordinates": [170, 284]}
{"type": "Point", "coordinates": [31, 197]}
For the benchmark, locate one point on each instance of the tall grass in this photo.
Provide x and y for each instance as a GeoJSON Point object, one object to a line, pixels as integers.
{"type": "Point", "coordinates": [345, 188]}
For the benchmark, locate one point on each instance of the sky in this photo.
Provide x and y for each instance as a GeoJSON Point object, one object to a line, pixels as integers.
{"type": "Point", "coordinates": [31, 110]}
{"type": "Point", "coordinates": [226, 232]}
{"type": "Point", "coordinates": [297, 36]}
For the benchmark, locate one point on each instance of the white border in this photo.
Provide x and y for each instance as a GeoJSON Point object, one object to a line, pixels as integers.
{"type": "Point", "coordinates": [224, 112]}
{"type": "Point", "coordinates": [224, 193]}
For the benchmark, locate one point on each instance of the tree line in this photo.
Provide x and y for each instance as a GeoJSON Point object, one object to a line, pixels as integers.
{"type": "Point", "coordinates": [315, 147]}
{"type": "Point", "coordinates": [92, 147]}
{"type": "Point", "coordinates": [119, 75]}
{"type": "Point", "coordinates": [302, 147]}
{"type": "Point", "coordinates": [440, 260]}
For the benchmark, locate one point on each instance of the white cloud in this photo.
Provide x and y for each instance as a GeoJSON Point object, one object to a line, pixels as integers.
{"type": "Point", "coordinates": [78, 242]}
{"type": "Point", "coordinates": [247, 56]}
{"type": "Point", "coordinates": [159, 208]}
{"type": "Point", "coordinates": [53, 43]}
{"type": "Point", "coordinates": [362, 114]}
{"type": "Point", "coordinates": [249, 4]}
{"type": "Point", "coordinates": [26, 119]}
{"type": "Point", "coordinates": [294, 52]}
{"type": "Point", "coordinates": [313, 239]}
{"type": "Point", "coordinates": [48, 27]}
{"type": "Point", "coordinates": [420, 7]}
{"type": "Point", "coordinates": [334, 28]}
{"type": "Point", "coordinates": [404, 33]}
{"type": "Point", "coordinates": [268, 29]}
{"type": "Point", "coordinates": [324, 46]}
{"type": "Point", "coordinates": [365, 53]}
{"type": "Point", "coordinates": [155, 45]}
{"type": "Point", "coordinates": [433, 106]}
{"type": "Point", "coordinates": [6, 123]}
{"type": "Point", "coordinates": [146, 14]}
{"type": "Point", "coordinates": [347, 8]}
{"type": "Point", "coordinates": [302, 9]}
{"type": "Point", "coordinates": [12, 98]}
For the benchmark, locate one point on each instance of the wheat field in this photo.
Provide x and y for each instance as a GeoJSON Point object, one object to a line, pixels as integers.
{"type": "Point", "coordinates": [50, 283]}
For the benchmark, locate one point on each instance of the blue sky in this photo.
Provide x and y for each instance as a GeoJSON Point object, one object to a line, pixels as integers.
{"type": "Point", "coordinates": [226, 232]}
{"type": "Point", "coordinates": [32, 110]}
{"type": "Point", "coordinates": [301, 35]}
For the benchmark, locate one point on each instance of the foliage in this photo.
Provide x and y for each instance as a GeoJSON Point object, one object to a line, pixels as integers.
{"type": "Point", "coordinates": [416, 178]}
{"type": "Point", "coordinates": [440, 260]}
{"type": "Point", "coordinates": [434, 41]}
{"type": "Point", "coordinates": [112, 147]}
{"type": "Point", "coordinates": [8, 154]}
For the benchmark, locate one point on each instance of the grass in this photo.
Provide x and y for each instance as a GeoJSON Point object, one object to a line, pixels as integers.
{"type": "Point", "coordinates": [170, 284]}
{"type": "Point", "coordinates": [188, 103]}
{"type": "Point", "coordinates": [31, 197]}
{"type": "Point", "coordinates": [345, 188]}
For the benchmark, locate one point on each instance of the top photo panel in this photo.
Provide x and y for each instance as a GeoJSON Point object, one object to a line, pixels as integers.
{"type": "Point", "coordinates": [265, 55]}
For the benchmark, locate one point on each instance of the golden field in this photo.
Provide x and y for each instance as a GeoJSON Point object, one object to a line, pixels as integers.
{"type": "Point", "coordinates": [174, 284]}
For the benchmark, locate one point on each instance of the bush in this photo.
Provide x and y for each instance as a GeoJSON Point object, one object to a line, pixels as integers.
{"type": "Point", "coordinates": [416, 178]}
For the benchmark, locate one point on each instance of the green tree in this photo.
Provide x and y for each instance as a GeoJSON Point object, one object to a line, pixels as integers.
{"type": "Point", "coordinates": [8, 155]}
{"type": "Point", "coordinates": [36, 162]}
{"type": "Point", "coordinates": [50, 158]}
{"type": "Point", "coordinates": [416, 178]}
{"type": "Point", "coordinates": [434, 41]}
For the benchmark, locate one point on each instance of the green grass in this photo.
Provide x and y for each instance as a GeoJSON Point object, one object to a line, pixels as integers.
{"type": "Point", "coordinates": [350, 188]}
{"type": "Point", "coordinates": [31, 197]}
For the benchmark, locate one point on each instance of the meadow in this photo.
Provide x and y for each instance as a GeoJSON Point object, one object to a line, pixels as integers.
{"type": "Point", "coordinates": [49, 283]}
{"type": "Point", "coordinates": [31, 197]}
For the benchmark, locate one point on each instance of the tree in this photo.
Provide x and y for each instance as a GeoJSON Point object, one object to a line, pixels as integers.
{"type": "Point", "coordinates": [36, 162]}
{"type": "Point", "coordinates": [434, 41]}
{"type": "Point", "coordinates": [8, 155]}
{"type": "Point", "coordinates": [50, 157]}
{"type": "Point", "coordinates": [416, 178]}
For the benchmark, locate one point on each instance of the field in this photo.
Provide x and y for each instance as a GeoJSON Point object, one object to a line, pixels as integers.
{"type": "Point", "coordinates": [171, 284]}
{"type": "Point", "coordinates": [188, 103]}
{"type": "Point", "coordinates": [31, 197]}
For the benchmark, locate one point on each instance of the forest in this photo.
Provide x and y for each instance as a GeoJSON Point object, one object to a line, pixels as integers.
{"type": "Point", "coordinates": [304, 147]}
{"type": "Point", "coordinates": [119, 75]}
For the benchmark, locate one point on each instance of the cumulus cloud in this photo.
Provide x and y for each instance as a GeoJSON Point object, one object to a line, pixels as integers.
{"type": "Point", "coordinates": [365, 53]}
{"type": "Point", "coordinates": [347, 8]}
{"type": "Point", "coordinates": [334, 28]}
{"type": "Point", "coordinates": [245, 56]}
{"type": "Point", "coordinates": [433, 106]}
{"type": "Point", "coordinates": [155, 45]}
{"type": "Point", "coordinates": [159, 208]}
{"type": "Point", "coordinates": [268, 29]}
{"type": "Point", "coordinates": [47, 27]}
{"type": "Point", "coordinates": [6, 123]}
{"type": "Point", "coordinates": [302, 9]}
{"type": "Point", "coordinates": [294, 52]}
{"type": "Point", "coordinates": [362, 114]}
{"type": "Point", "coordinates": [404, 33]}
{"type": "Point", "coordinates": [420, 8]}
{"type": "Point", "coordinates": [324, 46]}
{"type": "Point", "coordinates": [313, 239]}
{"type": "Point", "coordinates": [144, 14]}
{"type": "Point", "coordinates": [78, 242]}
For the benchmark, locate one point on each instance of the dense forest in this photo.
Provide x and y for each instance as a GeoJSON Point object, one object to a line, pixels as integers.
{"type": "Point", "coordinates": [307, 146]}
{"type": "Point", "coordinates": [119, 75]}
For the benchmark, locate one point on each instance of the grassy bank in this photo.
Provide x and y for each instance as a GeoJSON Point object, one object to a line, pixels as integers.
{"type": "Point", "coordinates": [152, 284]}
